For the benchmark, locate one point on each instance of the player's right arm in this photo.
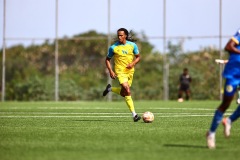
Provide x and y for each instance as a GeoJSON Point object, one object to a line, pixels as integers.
{"type": "Point", "coordinates": [108, 63]}
{"type": "Point", "coordinates": [109, 67]}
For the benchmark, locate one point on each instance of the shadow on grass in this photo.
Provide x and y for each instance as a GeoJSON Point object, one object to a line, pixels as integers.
{"type": "Point", "coordinates": [184, 146]}
{"type": "Point", "coordinates": [97, 120]}
{"type": "Point", "coordinates": [89, 120]}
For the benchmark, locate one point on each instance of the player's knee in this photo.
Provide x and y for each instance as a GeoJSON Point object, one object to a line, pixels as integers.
{"type": "Point", "coordinates": [128, 93]}
{"type": "Point", "coordinates": [122, 94]}
{"type": "Point", "coordinates": [125, 91]}
{"type": "Point", "coordinates": [225, 104]}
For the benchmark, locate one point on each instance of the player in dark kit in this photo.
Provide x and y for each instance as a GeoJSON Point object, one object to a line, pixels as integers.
{"type": "Point", "coordinates": [184, 86]}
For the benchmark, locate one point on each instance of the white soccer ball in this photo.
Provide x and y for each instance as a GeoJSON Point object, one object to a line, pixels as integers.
{"type": "Point", "coordinates": [148, 117]}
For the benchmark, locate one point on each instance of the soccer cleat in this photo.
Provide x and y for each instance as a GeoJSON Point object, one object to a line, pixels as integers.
{"type": "Point", "coordinates": [238, 101]}
{"type": "Point", "coordinates": [136, 118]}
{"type": "Point", "coordinates": [227, 127]}
{"type": "Point", "coordinates": [210, 140]}
{"type": "Point", "coordinates": [105, 92]}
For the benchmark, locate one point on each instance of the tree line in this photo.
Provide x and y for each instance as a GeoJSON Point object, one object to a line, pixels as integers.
{"type": "Point", "coordinates": [30, 71]}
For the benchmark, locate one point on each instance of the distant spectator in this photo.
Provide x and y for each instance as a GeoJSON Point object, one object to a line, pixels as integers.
{"type": "Point", "coordinates": [184, 85]}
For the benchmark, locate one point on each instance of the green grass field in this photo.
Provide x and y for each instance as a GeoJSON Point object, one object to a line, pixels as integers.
{"type": "Point", "coordinates": [106, 131]}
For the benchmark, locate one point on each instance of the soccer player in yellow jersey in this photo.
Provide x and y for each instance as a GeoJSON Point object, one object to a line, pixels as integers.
{"type": "Point", "coordinates": [126, 56]}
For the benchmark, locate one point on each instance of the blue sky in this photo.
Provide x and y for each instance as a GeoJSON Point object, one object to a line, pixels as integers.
{"type": "Point", "coordinates": [36, 19]}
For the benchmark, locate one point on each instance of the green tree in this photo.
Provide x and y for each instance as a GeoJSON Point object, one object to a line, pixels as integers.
{"type": "Point", "coordinates": [30, 71]}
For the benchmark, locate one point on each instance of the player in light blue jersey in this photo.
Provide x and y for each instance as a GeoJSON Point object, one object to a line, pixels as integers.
{"type": "Point", "coordinates": [231, 74]}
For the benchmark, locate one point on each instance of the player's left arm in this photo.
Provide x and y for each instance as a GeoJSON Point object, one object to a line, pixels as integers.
{"type": "Point", "coordinates": [231, 46]}
{"type": "Point", "coordinates": [136, 60]}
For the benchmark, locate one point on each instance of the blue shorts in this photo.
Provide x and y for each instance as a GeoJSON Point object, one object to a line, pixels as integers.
{"type": "Point", "coordinates": [232, 69]}
{"type": "Point", "coordinates": [230, 87]}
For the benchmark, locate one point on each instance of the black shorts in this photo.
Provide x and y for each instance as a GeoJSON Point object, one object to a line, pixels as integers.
{"type": "Point", "coordinates": [184, 88]}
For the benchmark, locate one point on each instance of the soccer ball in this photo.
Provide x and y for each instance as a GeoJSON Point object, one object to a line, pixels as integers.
{"type": "Point", "coordinates": [180, 100]}
{"type": "Point", "coordinates": [148, 117]}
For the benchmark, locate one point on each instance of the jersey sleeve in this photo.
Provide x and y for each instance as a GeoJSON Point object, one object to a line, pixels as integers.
{"type": "Point", "coordinates": [236, 37]}
{"type": "Point", "coordinates": [135, 49]}
{"type": "Point", "coordinates": [110, 52]}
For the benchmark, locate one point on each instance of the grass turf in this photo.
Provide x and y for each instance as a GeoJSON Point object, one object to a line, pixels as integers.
{"type": "Point", "coordinates": [105, 130]}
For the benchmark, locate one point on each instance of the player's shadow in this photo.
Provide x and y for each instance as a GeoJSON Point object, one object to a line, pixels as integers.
{"type": "Point", "coordinates": [97, 120]}
{"type": "Point", "coordinates": [184, 146]}
{"type": "Point", "coordinates": [89, 120]}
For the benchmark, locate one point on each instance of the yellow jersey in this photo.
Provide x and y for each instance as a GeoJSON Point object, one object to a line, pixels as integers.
{"type": "Point", "coordinates": [123, 55]}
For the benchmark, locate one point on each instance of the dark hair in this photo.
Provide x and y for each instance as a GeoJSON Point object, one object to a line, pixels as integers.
{"type": "Point", "coordinates": [129, 35]}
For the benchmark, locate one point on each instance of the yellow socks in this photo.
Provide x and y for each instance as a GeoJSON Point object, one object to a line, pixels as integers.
{"type": "Point", "coordinates": [130, 104]}
{"type": "Point", "coordinates": [128, 100]}
{"type": "Point", "coordinates": [116, 90]}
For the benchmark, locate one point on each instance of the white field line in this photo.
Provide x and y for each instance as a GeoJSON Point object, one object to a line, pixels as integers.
{"type": "Point", "coordinates": [96, 113]}
{"type": "Point", "coordinates": [108, 116]}
{"type": "Point", "coordinates": [62, 116]}
{"type": "Point", "coordinates": [100, 115]}
{"type": "Point", "coordinates": [60, 113]}
{"type": "Point", "coordinates": [101, 108]}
